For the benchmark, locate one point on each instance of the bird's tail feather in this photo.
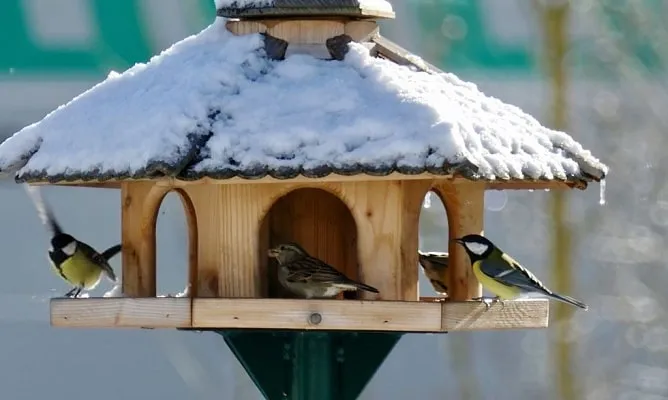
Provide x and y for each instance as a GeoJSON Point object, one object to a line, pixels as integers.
{"type": "Point", "coordinates": [107, 254]}
{"type": "Point", "coordinates": [111, 275]}
{"type": "Point", "coordinates": [366, 287]}
{"type": "Point", "coordinates": [569, 300]}
{"type": "Point", "coordinates": [111, 252]}
{"type": "Point", "coordinates": [43, 210]}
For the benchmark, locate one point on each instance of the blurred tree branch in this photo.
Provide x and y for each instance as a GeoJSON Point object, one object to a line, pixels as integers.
{"type": "Point", "coordinates": [554, 18]}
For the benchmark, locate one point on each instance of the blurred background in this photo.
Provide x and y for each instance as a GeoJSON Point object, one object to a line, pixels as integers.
{"type": "Point", "coordinates": [595, 68]}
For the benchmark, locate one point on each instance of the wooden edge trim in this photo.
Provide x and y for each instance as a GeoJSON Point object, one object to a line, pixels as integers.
{"type": "Point", "coordinates": [146, 312]}
{"type": "Point", "coordinates": [352, 315]}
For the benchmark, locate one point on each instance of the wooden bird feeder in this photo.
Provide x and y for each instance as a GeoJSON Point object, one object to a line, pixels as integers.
{"type": "Point", "coordinates": [363, 221]}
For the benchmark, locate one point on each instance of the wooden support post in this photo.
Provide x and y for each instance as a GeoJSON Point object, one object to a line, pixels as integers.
{"type": "Point", "coordinates": [387, 214]}
{"type": "Point", "coordinates": [140, 202]}
{"type": "Point", "coordinates": [464, 205]}
{"type": "Point", "coordinates": [412, 198]}
{"type": "Point", "coordinates": [378, 207]}
{"type": "Point", "coordinates": [229, 219]}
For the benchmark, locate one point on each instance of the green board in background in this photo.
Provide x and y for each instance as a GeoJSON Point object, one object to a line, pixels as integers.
{"type": "Point", "coordinates": [91, 37]}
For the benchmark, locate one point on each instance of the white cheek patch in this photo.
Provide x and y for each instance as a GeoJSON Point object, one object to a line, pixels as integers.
{"type": "Point", "coordinates": [70, 248]}
{"type": "Point", "coordinates": [477, 248]}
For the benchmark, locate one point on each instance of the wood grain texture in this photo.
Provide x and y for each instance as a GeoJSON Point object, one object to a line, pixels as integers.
{"type": "Point", "coordinates": [193, 244]}
{"type": "Point", "coordinates": [353, 315]}
{"type": "Point", "coordinates": [245, 27]}
{"type": "Point", "coordinates": [121, 312]}
{"type": "Point", "coordinates": [533, 185]}
{"type": "Point", "coordinates": [139, 206]}
{"type": "Point", "coordinates": [464, 205]}
{"type": "Point", "coordinates": [174, 182]}
{"type": "Point", "coordinates": [361, 30]}
{"type": "Point", "coordinates": [94, 185]}
{"type": "Point", "coordinates": [228, 222]}
{"type": "Point", "coordinates": [398, 55]}
{"type": "Point", "coordinates": [306, 31]}
{"type": "Point", "coordinates": [413, 193]}
{"type": "Point", "coordinates": [335, 314]}
{"type": "Point", "coordinates": [377, 208]}
{"type": "Point", "coordinates": [296, 31]}
{"type": "Point", "coordinates": [474, 315]}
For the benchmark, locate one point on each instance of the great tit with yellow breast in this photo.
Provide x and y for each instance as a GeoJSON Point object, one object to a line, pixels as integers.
{"type": "Point", "coordinates": [502, 275]}
{"type": "Point", "coordinates": [75, 261]}
{"type": "Point", "coordinates": [435, 267]}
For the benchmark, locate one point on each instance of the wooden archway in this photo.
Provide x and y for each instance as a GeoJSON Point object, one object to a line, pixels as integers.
{"type": "Point", "coordinates": [140, 205]}
{"type": "Point", "coordinates": [320, 222]}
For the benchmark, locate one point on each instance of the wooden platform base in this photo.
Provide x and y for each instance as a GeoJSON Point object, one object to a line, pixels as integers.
{"type": "Point", "coordinates": [355, 315]}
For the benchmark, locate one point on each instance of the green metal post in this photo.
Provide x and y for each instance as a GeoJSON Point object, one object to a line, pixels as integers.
{"type": "Point", "coordinates": [305, 365]}
{"type": "Point", "coordinates": [313, 367]}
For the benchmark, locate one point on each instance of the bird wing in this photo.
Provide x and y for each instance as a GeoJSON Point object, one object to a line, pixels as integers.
{"type": "Point", "coordinates": [437, 260]}
{"type": "Point", "coordinates": [313, 270]}
{"type": "Point", "coordinates": [97, 258]}
{"type": "Point", "coordinates": [43, 210]}
{"type": "Point", "coordinates": [512, 273]}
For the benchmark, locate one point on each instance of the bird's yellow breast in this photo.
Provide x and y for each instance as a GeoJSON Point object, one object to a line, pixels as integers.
{"type": "Point", "coordinates": [497, 288]}
{"type": "Point", "coordinates": [78, 270]}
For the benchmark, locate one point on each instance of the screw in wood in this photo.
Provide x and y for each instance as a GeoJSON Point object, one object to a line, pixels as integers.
{"type": "Point", "coordinates": [315, 318]}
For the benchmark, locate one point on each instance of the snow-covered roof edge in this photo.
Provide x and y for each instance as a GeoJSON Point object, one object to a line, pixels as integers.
{"type": "Point", "coordinates": [590, 169]}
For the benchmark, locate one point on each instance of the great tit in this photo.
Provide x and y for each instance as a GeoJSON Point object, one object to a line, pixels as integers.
{"type": "Point", "coordinates": [75, 261]}
{"type": "Point", "coordinates": [309, 277]}
{"type": "Point", "coordinates": [435, 267]}
{"type": "Point", "coordinates": [502, 275]}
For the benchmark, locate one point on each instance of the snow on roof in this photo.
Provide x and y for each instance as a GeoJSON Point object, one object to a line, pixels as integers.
{"type": "Point", "coordinates": [214, 105]}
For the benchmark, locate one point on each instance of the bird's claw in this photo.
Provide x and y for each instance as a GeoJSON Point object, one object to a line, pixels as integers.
{"type": "Point", "coordinates": [488, 301]}
{"type": "Point", "coordinates": [74, 293]}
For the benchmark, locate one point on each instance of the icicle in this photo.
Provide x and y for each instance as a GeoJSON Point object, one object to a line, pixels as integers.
{"type": "Point", "coordinates": [601, 200]}
{"type": "Point", "coordinates": [427, 201]}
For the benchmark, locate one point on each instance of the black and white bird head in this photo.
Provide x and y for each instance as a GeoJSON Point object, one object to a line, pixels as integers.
{"type": "Point", "coordinates": [287, 252]}
{"type": "Point", "coordinates": [63, 243]}
{"type": "Point", "coordinates": [476, 246]}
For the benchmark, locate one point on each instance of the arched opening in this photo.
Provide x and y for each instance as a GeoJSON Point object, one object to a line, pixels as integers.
{"type": "Point", "coordinates": [433, 237]}
{"type": "Point", "coordinates": [175, 245]}
{"type": "Point", "coordinates": [318, 221]}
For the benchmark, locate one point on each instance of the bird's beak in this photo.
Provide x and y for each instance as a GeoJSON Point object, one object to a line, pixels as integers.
{"type": "Point", "coordinates": [457, 240]}
{"type": "Point", "coordinates": [272, 253]}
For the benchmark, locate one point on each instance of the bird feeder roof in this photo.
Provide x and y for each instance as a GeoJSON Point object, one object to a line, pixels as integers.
{"type": "Point", "coordinates": [217, 105]}
{"type": "Point", "coordinates": [287, 8]}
